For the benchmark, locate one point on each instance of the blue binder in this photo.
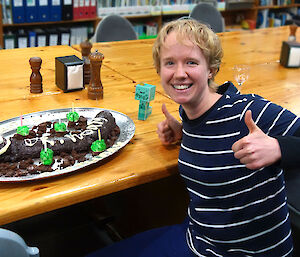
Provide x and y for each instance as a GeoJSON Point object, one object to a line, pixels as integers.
{"type": "Point", "coordinates": [43, 10]}
{"type": "Point", "coordinates": [31, 11]}
{"type": "Point", "coordinates": [55, 10]}
{"type": "Point", "coordinates": [18, 11]}
{"type": "Point", "coordinates": [32, 39]}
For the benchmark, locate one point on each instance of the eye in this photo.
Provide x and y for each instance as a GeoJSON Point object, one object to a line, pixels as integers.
{"type": "Point", "coordinates": [192, 63]}
{"type": "Point", "coordinates": [168, 63]}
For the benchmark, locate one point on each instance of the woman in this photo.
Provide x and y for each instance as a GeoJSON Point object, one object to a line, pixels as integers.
{"type": "Point", "coordinates": [233, 149]}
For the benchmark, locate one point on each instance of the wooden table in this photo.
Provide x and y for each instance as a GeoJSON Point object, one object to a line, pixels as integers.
{"type": "Point", "coordinates": [144, 159]}
{"type": "Point", "coordinates": [260, 49]}
{"type": "Point", "coordinates": [126, 169]}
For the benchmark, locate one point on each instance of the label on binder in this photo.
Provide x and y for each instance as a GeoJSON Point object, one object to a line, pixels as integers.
{"type": "Point", "coordinates": [43, 2]}
{"type": "Point", "coordinates": [55, 2]}
{"type": "Point", "coordinates": [30, 2]}
{"type": "Point", "coordinates": [18, 3]}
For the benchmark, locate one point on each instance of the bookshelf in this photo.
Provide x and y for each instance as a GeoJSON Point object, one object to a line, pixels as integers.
{"type": "Point", "coordinates": [159, 16]}
{"type": "Point", "coordinates": [1, 28]}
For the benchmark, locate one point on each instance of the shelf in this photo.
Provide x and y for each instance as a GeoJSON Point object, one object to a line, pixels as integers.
{"type": "Point", "coordinates": [276, 6]}
{"type": "Point", "coordinates": [230, 17]}
{"type": "Point", "coordinates": [49, 23]}
{"type": "Point", "coordinates": [96, 19]}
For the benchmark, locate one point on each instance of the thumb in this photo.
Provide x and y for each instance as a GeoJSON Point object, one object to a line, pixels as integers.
{"type": "Point", "coordinates": [165, 111]}
{"type": "Point", "coordinates": [249, 122]}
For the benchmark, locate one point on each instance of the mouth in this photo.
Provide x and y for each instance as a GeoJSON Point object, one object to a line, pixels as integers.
{"type": "Point", "coordinates": [181, 86]}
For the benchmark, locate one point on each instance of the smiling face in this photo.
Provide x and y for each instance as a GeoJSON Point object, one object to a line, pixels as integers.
{"type": "Point", "coordinates": [185, 73]}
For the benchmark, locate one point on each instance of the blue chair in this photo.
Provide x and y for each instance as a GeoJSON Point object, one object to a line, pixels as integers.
{"type": "Point", "coordinates": [208, 14]}
{"type": "Point", "coordinates": [12, 245]}
{"type": "Point", "coordinates": [114, 28]}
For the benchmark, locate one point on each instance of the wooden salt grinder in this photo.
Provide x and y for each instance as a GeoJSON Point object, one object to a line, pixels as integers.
{"type": "Point", "coordinates": [36, 85]}
{"type": "Point", "coordinates": [95, 90]}
{"type": "Point", "coordinates": [86, 47]}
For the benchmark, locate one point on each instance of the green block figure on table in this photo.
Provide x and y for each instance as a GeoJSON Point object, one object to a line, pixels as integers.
{"type": "Point", "coordinates": [144, 110]}
{"type": "Point", "coordinates": [144, 93]}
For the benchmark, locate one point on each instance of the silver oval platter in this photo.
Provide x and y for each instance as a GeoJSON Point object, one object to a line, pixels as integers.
{"type": "Point", "coordinates": [127, 129]}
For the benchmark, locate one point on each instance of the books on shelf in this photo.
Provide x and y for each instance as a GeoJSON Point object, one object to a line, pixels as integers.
{"type": "Point", "coordinates": [6, 11]}
{"type": "Point", "coordinates": [18, 11]}
{"type": "Point", "coordinates": [269, 18]}
{"type": "Point", "coordinates": [31, 11]}
{"type": "Point", "coordinates": [275, 2]}
{"type": "Point", "coordinates": [46, 37]}
{"type": "Point", "coordinates": [146, 30]}
{"type": "Point", "coordinates": [147, 7]}
{"type": "Point", "coordinates": [177, 8]}
{"type": "Point", "coordinates": [43, 7]}
{"type": "Point", "coordinates": [67, 10]}
{"type": "Point", "coordinates": [55, 10]}
{"type": "Point", "coordinates": [83, 9]}
{"type": "Point", "coordinates": [28, 11]}
{"type": "Point", "coordinates": [9, 40]}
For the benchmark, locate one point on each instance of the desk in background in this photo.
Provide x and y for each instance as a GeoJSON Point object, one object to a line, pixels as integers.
{"type": "Point", "coordinates": [260, 49]}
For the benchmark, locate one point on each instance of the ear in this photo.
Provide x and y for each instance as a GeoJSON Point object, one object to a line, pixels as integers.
{"type": "Point", "coordinates": [212, 72]}
{"type": "Point", "coordinates": [158, 70]}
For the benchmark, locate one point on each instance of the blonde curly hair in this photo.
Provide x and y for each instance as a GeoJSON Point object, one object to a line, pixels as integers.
{"type": "Point", "coordinates": [200, 35]}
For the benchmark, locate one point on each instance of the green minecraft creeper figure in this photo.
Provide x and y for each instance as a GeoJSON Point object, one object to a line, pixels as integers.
{"type": "Point", "coordinates": [144, 93]}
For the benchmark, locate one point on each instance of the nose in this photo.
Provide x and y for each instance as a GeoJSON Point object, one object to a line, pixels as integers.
{"type": "Point", "coordinates": [180, 72]}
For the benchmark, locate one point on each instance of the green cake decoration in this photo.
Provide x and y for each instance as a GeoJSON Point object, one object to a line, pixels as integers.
{"type": "Point", "coordinates": [98, 146]}
{"type": "Point", "coordinates": [60, 127]}
{"type": "Point", "coordinates": [46, 156]}
{"type": "Point", "coordinates": [73, 116]}
{"type": "Point", "coordinates": [23, 130]}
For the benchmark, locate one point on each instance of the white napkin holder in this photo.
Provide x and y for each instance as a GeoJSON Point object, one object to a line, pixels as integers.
{"type": "Point", "coordinates": [69, 74]}
{"type": "Point", "coordinates": [290, 54]}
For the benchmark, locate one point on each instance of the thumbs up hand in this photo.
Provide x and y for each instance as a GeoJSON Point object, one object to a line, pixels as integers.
{"type": "Point", "coordinates": [170, 130]}
{"type": "Point", "coordinates": [256, 150]}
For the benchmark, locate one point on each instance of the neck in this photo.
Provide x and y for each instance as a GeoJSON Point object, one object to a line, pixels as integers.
{"type": "Point", "coordinates": [194, 111]}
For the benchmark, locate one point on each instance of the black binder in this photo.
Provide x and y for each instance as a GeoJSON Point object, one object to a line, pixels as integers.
{"type": "Point", "coordinates": [64, 36]}
{"type": "Point", "coordinates": [22, 39]}
{"type": "Point", "coordinates": [41, 37]}
{"type": "Point", "coordinates": [67, 10]}
{"type": "Point", "coordinates": [9, 40]}
{"type": "Point", "coordinates": [53, 36]}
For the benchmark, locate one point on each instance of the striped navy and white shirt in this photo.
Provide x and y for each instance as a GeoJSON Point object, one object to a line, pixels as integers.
{"type": "Point", "coordinates": [234, 211]}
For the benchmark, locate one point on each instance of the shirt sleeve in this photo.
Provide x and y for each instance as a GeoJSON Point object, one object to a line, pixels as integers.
{"type": "Point", "coordinates": [290, 150]}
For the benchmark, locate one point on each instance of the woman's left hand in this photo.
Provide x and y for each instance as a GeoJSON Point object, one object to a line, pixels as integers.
{"type": "Point", "coordinates": [256, 150]}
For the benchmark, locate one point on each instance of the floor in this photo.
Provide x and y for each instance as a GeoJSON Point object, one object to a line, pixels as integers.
{"type": "Point", "coordinates": [66, 232]}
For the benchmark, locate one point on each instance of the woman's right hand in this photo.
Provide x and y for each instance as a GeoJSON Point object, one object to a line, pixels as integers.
{"type": "Point", "coordinates": [170, 130]}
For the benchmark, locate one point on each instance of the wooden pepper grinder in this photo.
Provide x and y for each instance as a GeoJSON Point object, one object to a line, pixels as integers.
{"type": "Point", "coordinates": [36, 85]}
{"type": "Point", "coordinates": [95, 90]}
{"type": "Point", "coordinates": [293, 29]}
{"type": "Point", "coordinates": [86, 47]}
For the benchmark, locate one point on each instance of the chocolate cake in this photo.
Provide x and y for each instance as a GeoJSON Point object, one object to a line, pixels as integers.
{"type": "Point", "coordinates": [19, 154]}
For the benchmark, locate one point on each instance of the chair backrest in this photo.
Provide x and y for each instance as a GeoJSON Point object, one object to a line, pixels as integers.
{"type": "Point", "coordinates": [12, 245]}
{"type": "Point", "coordinates": [114, 28]}
{"type": "Point", "coordinates": [207, 13]}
